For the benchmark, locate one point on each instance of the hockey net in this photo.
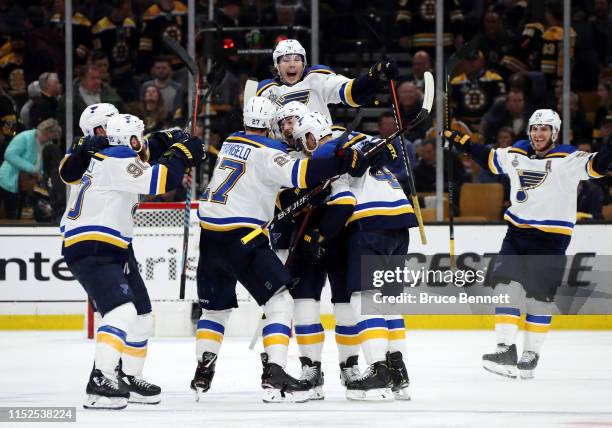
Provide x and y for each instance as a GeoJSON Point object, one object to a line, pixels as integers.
{"type": "Point", "coordinates": [158, 246]}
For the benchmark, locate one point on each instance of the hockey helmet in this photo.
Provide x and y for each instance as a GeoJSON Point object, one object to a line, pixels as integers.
{"type": "Point", "coordinates": [259, 113]}
{"type": "Point", "coordinates": [545, 117]}
{"type": "Point", "coordinates": [288, 47]}
{"type": "Point", "coordinates": [121, 128]}
{"type": "Point", "coordinates": [96, 115]}
{"type": "Point", "coordinates": [313, 123]}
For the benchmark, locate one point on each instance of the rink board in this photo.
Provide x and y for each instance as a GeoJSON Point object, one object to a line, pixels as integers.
{"type": "Point", "coordinates": [39, 293]}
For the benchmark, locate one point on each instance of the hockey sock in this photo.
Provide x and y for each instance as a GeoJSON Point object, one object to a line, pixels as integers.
{"type": "Point", "coordinates": [276, 330]}
{"type": "Point", "coordinates": [308, 328]}
{"type": "Point", "coordinates": [111, 336]}
{"type": "Point", "coordinates": [397, 333]}
{"type": "Point", "coordinates": [372, 330]}
{"type": "Point", "coordinates": [536, 326]}
{"type": "Point", "coordinates": [506, 324]}
{"type": "Point", "coordinates": [135, 350]}
{"type": "Point", "coordinates": [507, 317]}
{"type": "Point", "coordinates": [347, 337]}
{"type": "Point", "coordinates": [210, 331]}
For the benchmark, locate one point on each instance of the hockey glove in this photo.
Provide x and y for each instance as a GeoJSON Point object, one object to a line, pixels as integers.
{"type": "Point", "coordinates": [461, 141]}
{"type": "Point", "coordinates": [169, 137]}
{"type": "Point", "coordinates": [383, 157]}
{"type": "Point", "coordinates": [89, 144]}
{"type": "Point", "coordinates": [191, 151]}
{"type": "Point", "coordinates": [354, 163]}
{"type": "Point", "coordinates": [387, 68]}
{"type": "Point", "coordinates": [310, 247]}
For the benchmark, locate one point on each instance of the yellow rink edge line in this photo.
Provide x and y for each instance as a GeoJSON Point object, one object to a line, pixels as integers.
{"type": "Point", "coordinates": [413, 322]}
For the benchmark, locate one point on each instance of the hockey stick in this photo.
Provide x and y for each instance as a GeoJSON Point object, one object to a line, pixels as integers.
{"type": "Point", "coordinates": [216, 78]}
{"type": "Point", "coordinates": [250, 89]}
{"type": "Point", "coordinates": [427, 104]}
{"type": "Point", "coordinates": [452, 63]}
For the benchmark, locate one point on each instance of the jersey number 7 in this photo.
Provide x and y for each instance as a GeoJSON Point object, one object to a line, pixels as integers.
{"type": "Point", "coordinates": [75, 211]}
{"type": "Point", "coordinates": [237, 170]}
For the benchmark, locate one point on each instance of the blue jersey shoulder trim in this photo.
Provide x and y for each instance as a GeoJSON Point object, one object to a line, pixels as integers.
{"type": "Point", "coordinates": [120, 152]}
{"type": "Point", "coordinates": [563, 148]}
{"type": "Point", "coordinates": [265, 84]}
{"type": "Point", "coordinates": [321, 69]}
{"type": "Point", "coordinates": [256, 141]}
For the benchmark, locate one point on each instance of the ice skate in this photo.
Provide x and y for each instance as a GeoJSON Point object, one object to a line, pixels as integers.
{"type": "Point", "coordinates": [204, 374]}
{"type": "Point", "coordinates": [279, 386]}
{"type": "Point", "coordinates": [374, 385]}
{"type": "Point", "coordinates": [527, 364]}
{"type": "Point", "coordinates": [349, 370]}
{"type": "Point", "coordinates": [311, 372]}
{"type": "Point", "coordinates": [104, 392]}
{"type": "Point", "coordinates": [502, 361]}
{"type": "Point", "coordinates": [399, 375]}
{"type": "Point", "coordinates": [141, 391]}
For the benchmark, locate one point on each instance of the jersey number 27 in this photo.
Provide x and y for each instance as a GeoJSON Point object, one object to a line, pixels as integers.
{"type": "Point", "coordinates": [219, 195]}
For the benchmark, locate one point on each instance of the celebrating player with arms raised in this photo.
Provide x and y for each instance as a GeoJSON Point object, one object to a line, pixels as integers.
{"type": "Point", "coordinates": [544, 178]}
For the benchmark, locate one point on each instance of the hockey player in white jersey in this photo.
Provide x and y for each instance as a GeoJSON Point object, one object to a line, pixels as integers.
{"type": "Point", "coordinates": [544, 177]}
{"type": "Point", "coordinates": [250, 171]}
{"type": "Point", "coordinates": [376, 214]}
{"type": "Point", "coordinates": [97, 234]}
{"type": "Point", "coordinates": [318, 85]}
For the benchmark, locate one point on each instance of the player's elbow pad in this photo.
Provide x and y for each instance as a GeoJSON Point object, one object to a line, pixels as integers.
{"type": "Point", "coordinates": [335, 219]}
{"type": "Point", "coordinates": [73, 168]}
{"type": "Point", "coordinates": [364, 89]}
{"type": "Point", "coordinates": [320, 170]}
{"type": "Point", "coordinates": [176, 171]}
{"type": "Point", "coordinates": [602, 161]}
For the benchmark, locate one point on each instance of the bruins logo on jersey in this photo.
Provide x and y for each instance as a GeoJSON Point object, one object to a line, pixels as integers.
{"type": "Point", "coordinates": [474, 98]}
{"type": "Point", "coordinates": [174, 32]}
{"type": "Point", "coordinates": [301, 96]}
{"type": "Point", "coordinates": [120, 52]}
{"type": "Point", "coordinates": [427, 10]}
{"type": "Point", "coordinates": [529, 180]}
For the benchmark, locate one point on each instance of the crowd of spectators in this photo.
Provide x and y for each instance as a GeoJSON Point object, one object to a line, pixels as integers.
{"type": "Point", "coordinates": [513, 66]}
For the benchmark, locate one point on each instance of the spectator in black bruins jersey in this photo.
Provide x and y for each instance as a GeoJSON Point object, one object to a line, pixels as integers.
{"type": "Point", "coordinates": [415, 25]}
{"type": "Point", "coordinates": [43, 47]}
{"type": "Point", "coordinates": [552, 43]}
{"type": "Point", "coordinates": [117, 35]}
{"type": "Point", "coordinates": [165, 18]}
{"type": "Point", "coordinates": [8, 121]}
{"type": "Point", "coordinates": [475, 90]}
{"type": "Point", "coordinates": [494, 40]}
{"type": "Point", "coordinates": [12, 75]}
{"type": "Point", "coordinates": [81, 32]}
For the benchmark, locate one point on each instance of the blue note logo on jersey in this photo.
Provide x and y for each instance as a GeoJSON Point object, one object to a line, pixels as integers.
{"type": "Point", "coordinates": [529, 180]}
{"type": "Point", "coordinates": [301, 96]}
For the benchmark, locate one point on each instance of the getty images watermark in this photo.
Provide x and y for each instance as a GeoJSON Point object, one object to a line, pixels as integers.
{"type": "Point", "coordinates": [477, 283]}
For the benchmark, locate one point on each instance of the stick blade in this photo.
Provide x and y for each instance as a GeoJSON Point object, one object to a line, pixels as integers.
{"type": "Point", "coordinates": [250, 89]}
{"type": "Point", "coordinates": [428, 95]}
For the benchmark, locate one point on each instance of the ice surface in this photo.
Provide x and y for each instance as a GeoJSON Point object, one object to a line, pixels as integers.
{"type": "Point", "coordinates": [573, 385]}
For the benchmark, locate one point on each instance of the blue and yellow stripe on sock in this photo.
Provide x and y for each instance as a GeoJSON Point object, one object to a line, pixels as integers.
{"type": "Point", "coordinates": [372, 328]}
{"type": "Point", "coordinates": [136, 349]}
{"type": "Point", "coordinates": [111, 336]}
{"type": "Point", "coordinates": [505, 315]}
{"type": "Point", "coordinates": [311, 334]}
{"type": "Point", "coordinates": [210, 330]}
{"type": "Point", "coordinates": [347, 335]}
{"type": "Point", "coordinates": [537, 323]}
{"type": "Point", "coordinates": [397, 329]}
{"type": "Point", "coordinates": [275, 334]}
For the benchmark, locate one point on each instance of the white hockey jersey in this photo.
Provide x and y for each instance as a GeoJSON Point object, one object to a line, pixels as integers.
{"type": "Point", "coordinates": [543, 192]}
{"type": "Point", "coordinates": [249, 173]}
{"type": "Point", "coordinates": [99, 221]}
{"type": "Point", "coordinates": [318, 87]}
{"type": "Point", "coordinates": [380, 202]}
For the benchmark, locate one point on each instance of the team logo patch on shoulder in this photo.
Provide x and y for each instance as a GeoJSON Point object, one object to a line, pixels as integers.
{"type": "Point", "coordinates": [282, 160]}
{"type": "Point", "coordinates": [529, 180]}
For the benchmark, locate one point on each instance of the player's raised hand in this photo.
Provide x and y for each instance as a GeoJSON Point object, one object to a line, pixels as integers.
{"type": "Point", "coordinates": [90, 144]}
{"type": "Point", "coordinates": [461, 141]}
{"type": "Point", "coordinates": [387, 67]}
